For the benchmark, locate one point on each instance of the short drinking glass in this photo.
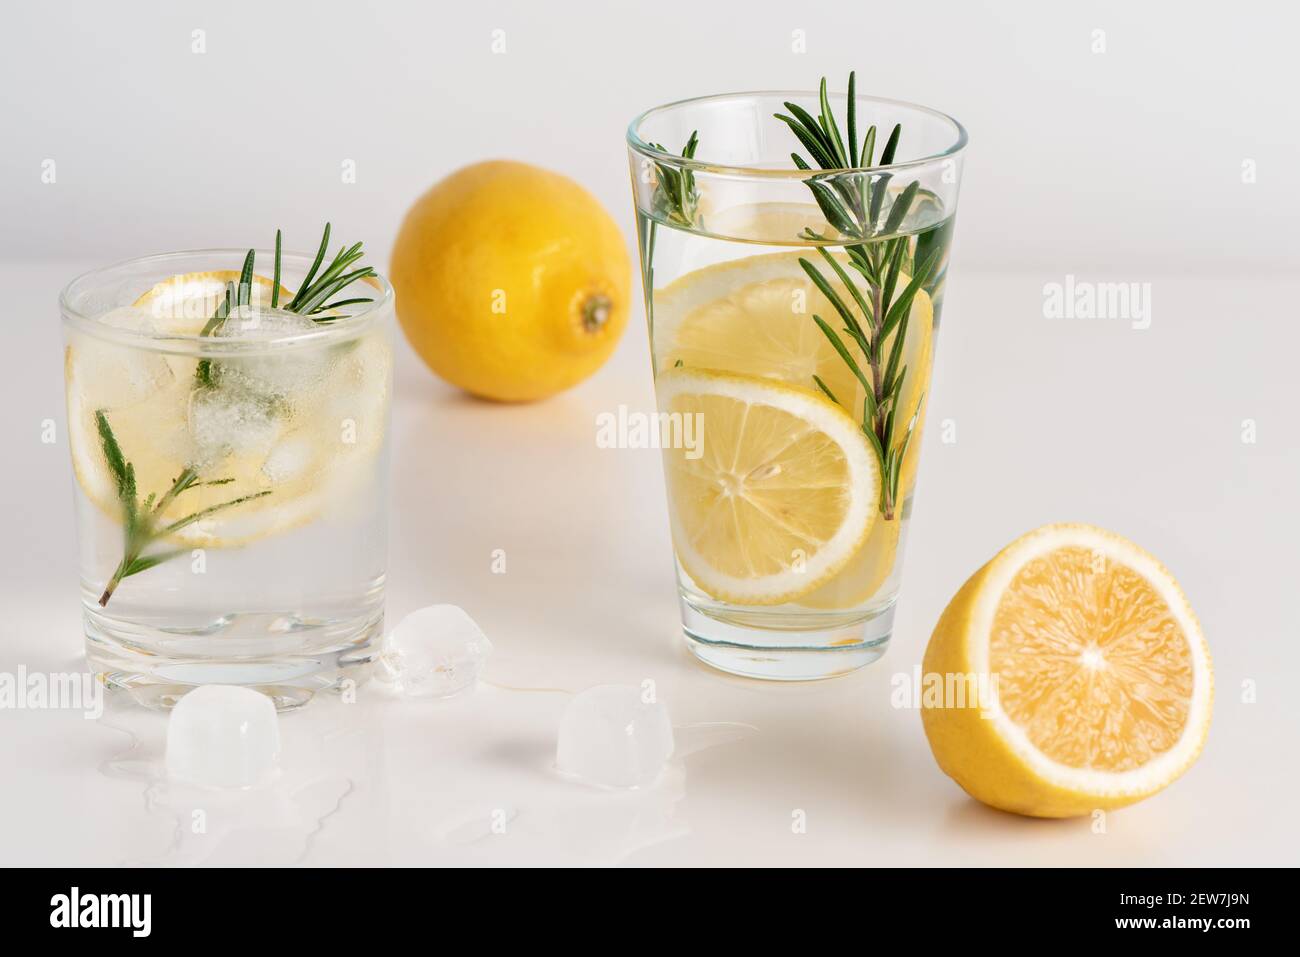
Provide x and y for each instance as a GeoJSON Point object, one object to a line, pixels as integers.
{"type": "Point", "coordinates": [230, 479]}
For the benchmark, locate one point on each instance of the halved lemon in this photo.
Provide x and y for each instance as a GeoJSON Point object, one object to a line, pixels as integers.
{"type": "Point", "coordinates": [778, 496]}
{"type": "Point", "coordinates": [754, 316]}
{"type": "Point", "coordinates": [1100, 680]}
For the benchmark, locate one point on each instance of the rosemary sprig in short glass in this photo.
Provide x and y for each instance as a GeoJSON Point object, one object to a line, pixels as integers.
{"type": "Point", "coordinates": [142, 519]}
{"type": "Point", "coordinates": [853, 203]}
{"type": "Point", "coordinates": [143, 522]}
{"type": "Point", "coordinates": [310, 300]}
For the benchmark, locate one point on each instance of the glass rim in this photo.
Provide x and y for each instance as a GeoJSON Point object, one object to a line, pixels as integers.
{"type": "Point", "coordinates": [636, 143]}
{"type": "Point", "coordinates": [353, 325]}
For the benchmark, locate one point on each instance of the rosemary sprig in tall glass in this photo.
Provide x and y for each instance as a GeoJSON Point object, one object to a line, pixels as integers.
{"type": "Point", "coordinates": [676, 199]}
{"type": "Point", "coordinates": [854, 205]}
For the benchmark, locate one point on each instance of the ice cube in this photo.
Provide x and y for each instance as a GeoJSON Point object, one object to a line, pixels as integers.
{"type": "Point", "coordinates": [263, 322]}
{"type": "Point", "coordinates": [116, 374]}
{"type": "Point", "coordinates": [435, 652]}
{"type": "Point", "coordinates": [286, 368]}
{"type": "Point", "coordinates": [227, 419]}
{"type": "Point", "coordinates": [223, 736]}
{"type": "Point", "coordinates": [290, 459]}
{"type": "Point", "coordinates": [611, 736]}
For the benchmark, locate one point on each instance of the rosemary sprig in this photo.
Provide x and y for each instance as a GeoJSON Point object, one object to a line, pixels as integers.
{"type": "Point", "coordinates": [142, 518]}
{"type": "Point", "coordinates": [310, 300]}
{"type": "Point", "coordinates": [676, 199]}
{"type": "Point", "coordinates": [853, 203]}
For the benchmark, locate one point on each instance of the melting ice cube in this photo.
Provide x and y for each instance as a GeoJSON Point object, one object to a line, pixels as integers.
{"type": "Point", "coordinates": [285, 367]}
{"type": "Point", "coordinates": [118, 375]}
{"type": "Point", "coordinates": [223, 736]}
{"type": "Point", "coordinates": [612, 737]}
{"type": "Point", "coordinates": [231, 420]}
{"type": "Point", "coordinates": [435, 652]}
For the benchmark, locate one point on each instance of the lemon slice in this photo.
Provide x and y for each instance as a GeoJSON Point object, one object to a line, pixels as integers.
{"type": "Point", "coordinates": [188, 300]}
{"type": "Point", "coordinates": [1102, 679]}
{"type": "Point", "coordinates": [305, 435]}
{"type": "Point", "coordinates": [863, 575]}
{"type": "Point", "coordinates": [778, 496]}
{"type": "Point", "coordinates": [754, 317]}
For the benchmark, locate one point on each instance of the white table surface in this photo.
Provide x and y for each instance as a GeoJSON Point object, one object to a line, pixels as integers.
{"type": "Point", "coordinates": [1136, 430]}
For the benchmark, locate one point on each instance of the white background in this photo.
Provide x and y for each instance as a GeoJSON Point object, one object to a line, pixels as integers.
{"type": "Point", "coordinates": [1122, 165]}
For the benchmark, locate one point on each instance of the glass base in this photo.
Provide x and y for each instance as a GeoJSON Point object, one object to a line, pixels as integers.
{"type": "Point", "coordinates": [820, 649]}
{"type": "Point", "coordinates": [289, 665]}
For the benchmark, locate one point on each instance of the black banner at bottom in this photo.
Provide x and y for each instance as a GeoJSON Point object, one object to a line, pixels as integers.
{"type": "Point", "coordinates": [367, 906]}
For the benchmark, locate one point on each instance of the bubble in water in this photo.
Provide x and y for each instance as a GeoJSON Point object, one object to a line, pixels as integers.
{"type": "Point", "coordinates": [612, 737]}
{"type": "Point", "coordinates": [435, 652]}
{"type": "Point", "coordinates": [223, 736]}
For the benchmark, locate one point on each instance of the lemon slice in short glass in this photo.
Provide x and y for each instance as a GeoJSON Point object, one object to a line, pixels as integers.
{"type": "Point", "coordinates": [306, 438]}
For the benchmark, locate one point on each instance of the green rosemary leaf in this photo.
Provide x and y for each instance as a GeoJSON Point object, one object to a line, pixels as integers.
{"type": "Point", "coordinates": [870, 433]}
{"type": "Point", "coordinates": [839, 347]}
{"type": "Point", "coordinates": [868, 147]}
{"type": "Point", "coordinates": [850, 284]}
{"type": "Point", "coordinates": [275, 280]}
{"type": "Point", "coordinates": [891, 275]}
{"type": "Point", "coordinates": [890, 382]}
{"type": "Point", "coordinates": [862, 263]}
{"type": "Point", "coordinates": [891, 145]}
{"type": "Point", "coordinates": [146, 562]}
{"type": "Point", "coordinates": [901, 206]}
{"type": "Point", "coordinates": [852, 117]}
{"type": "Point", "coordinates": [311, 273]}
{"type": "Point", "coordinates": [903, 304]}
{"type": "Point", "coordinates": [810, 136]}
{"type": "Point", "coordinates": [340, 303]}
{"type": "Point", "coordinates": [202, 513]}
{"type": "Point", "coordinates": [244, 294]}
{"type": "Point", "coordinates": [820, 282]}
{"type": "Point", "coordinates": [112, 453]}
{"type": "Point", "coordinates": [832, 129]}
{"type": "Point", "coordinates": [833, 209]}
{"type": "Point", "coordinates": [324, 290]}
{"type": "Point", "coordinates": [825, 389]}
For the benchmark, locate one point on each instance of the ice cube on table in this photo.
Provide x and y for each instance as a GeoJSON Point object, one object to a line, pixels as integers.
{"type": "Point", "coordinates": [610, 736]}
{"type": "Point", "coordinates": [223, 736]}
{"type": "Point", "coordinates": [117, 373]}
{"type": "Point", "coordinates": [434, 652]}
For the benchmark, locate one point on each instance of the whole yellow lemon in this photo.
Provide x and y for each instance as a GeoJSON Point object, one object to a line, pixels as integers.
{"type": "Point", "coordinates": [512, 282]}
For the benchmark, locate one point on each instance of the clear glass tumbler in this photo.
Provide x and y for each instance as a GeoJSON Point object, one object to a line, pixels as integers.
{"type": "Point", "coordinates": [793, 305]}
{"type": "Point", "coordinates": [231, 479]}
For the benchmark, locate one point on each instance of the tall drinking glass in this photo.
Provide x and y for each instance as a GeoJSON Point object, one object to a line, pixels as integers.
{"type": "Point", "coordinates": [792, 314]}
{"type": "Point", "coordinates": [231, 481]}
